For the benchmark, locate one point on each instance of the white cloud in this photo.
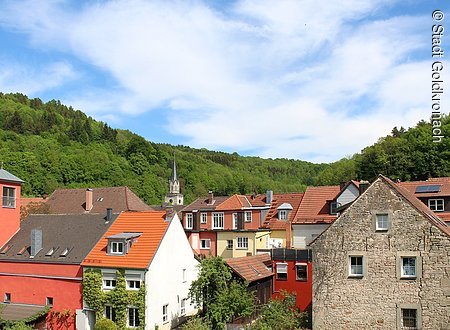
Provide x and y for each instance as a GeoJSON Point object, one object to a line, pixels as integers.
{"type": "Point", "coordinates": [295, 79]}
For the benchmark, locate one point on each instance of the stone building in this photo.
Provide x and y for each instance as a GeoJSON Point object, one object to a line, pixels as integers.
{"type": "Point", "coordinates": [383, 264]}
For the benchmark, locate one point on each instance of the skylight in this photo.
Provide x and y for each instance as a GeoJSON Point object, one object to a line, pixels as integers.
{"type": "Point", "coordinates": [428, 189]}
{"type": "Point", "coordinates": [64, 253]}
{"type": "Point", "coordinates": [50, 252]}
{"type": "Point", "coordinates": [5, 249]}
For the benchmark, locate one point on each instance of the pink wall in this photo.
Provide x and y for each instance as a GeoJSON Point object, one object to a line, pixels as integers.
{"type": "Point", "coordinates": [9, 217]}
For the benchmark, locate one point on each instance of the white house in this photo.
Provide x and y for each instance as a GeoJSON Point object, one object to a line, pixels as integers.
{"type": "Point", "coordinates": [148, 250]}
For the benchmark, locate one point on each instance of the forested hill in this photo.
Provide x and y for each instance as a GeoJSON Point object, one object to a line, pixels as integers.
{"type": "Point", "coordinates": [50, 145]}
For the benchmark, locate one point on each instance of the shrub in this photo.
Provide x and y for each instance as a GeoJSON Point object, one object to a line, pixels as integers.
{"type": "Point", "coordinates": [105, 324]}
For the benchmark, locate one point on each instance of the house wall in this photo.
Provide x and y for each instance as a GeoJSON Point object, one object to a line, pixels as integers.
{"type": "Point", "coordinates": [223, 236]}
{"type": "Point", "coordinates": [301, 289]}
{"type": "Point", "coordinates": [164, 280]}
{"type": "Point", "coordinates": [348, 195]}
{"type": "Point", "coordinates": [9, 217]}
{"type": "Point", "coordinates": [374, 301]}
{"type": "Point", "coordinates": [228, 223]}
{"type": "Point", "coordinates": [279, 234]}
{"type": "Point", "coordinates": [304, 234]}
{"type": "Point", "coordinates": [32, 283]}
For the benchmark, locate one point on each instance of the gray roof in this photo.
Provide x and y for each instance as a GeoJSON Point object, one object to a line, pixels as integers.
{"type": "Point", "coordinates": [76, 232]}
{"type": "Point", "coordinates": [124, 235]}
{"type": "Point", "coordinates": [6, 176]}
{"type": "Point", "coordinates": [15, 312]}
{"type": "Point", "coordinates": [285, 206]}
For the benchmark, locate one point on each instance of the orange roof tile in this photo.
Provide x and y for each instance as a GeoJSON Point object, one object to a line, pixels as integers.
{"type": "Point", "coordinates": [314, 207]}
{"type": "Point", "coordinates": [257, 200]}
{"type": "Point", "coordinates": [235, 202]}
{"type": "Point", "coordinates": [152, 226]}
{"type": "Point", "coordinates": [251, 268]}
{"type": "Point", "coordinates": [271, 220]}
{"type": "Point", "coordinates": [443, 182]}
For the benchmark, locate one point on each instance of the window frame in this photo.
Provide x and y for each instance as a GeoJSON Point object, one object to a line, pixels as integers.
{"type": "Point", "coordinates": [183, 306]}
{"type": "Point", "coordinates": [189, 220]}
{"type": "Point", "coordinates": [333, 207]}
{"type": "Point", "coordinates": [278, 272]}
{"type": "Point", "coordinates": [218, 219]}
{"type": "Point", "coordinates": [205, 240]}
{"type": "Point", "coordinates": [234, 220]}
{"type": "Point", "coordinates": [247, 217]}
{"type": "Point", "coordinates": [110, 286]}
{"type": "Point", "coordinates": [400, 319]}
{"type": "Point", "coordinates": [228, 244]}
{"type": "Point", "coordinates": [301, 279]}
{"type": "Point", "coordinates": [203, 218]}
{"type": "Point", "coordinates": [401, 275]}
{"type": "Point", "coordinates": [111, 312]}
{"type": "Point", "coordinates": [285, 215]}
{"type": "Point", "coordinates": [363, 265]}
{"type": "Point", "coordinates": [243, 245]}
{"type": "Point", "coordinates": [437, 202]}
{"type": "Point", "coordinates": [165, 315]}
{"type": "Point", "coordinates": [135, 317]}
{"type": "Point", "coordinates": [114, 247]}
{"type": "Point", "coordinates": [9, 201]}
{"type": "Point", "coordinates": [49, 301]}
{"type": "Point", "coordinates": [7, 298]}
{"type": "Point", "coordinates": [133, 288]}
{"type": "Point", "coordinates": [384, 216]}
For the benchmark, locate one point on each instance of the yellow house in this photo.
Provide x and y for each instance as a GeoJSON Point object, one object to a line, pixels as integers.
{"type": "Point", "coordinates": [235, 243]}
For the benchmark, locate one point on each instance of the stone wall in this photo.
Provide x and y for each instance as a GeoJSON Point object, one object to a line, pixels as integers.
{"type": "Point", "coordinates": [374, 301]}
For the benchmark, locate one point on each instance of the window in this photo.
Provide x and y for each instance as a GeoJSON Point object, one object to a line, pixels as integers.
{"type": "Point", "coordinates": [205, 244]}
{"type": "Point", "coordinates": [189, 220]}
{"type": "Point", "coordinates": [217, 221]}
{"type": "Point", "coordinates": [183, 275]}
{"type": "Point", "coordinates": [183, 307]}
{"type": "Point", "coordinates": [333, 207]}
{"type": "Point", "coordinates": [49, 301]}
{"type": "Point", "coordinates": [109, 284]}
{"type": "Point", "coordinates": [436, 205]}
{"type": "Point", "coordinates": [242, 243]}
{"type": "Point", "coordinates": [9, 197]}
{"type": "Point", "coordinates": [409, 318]}
{"type": "Point", "coordinates": [133, 317]}
{"type": "Point", "coordinates": [7, 297]}
{"type": "Point", "coordinates": [133, 285]}
{"type": "Point", "coordinates": [116, 247]}
{"type": "Point", "coordinates": [408, 267]}
{"type": "Point", "coordinates": [301, 272]}
{"type": "Point", "coordinates": [381, 223]}
{"type": "Point", "coordinates": [356, 266]}
{"type": "Point", "coordinates": [203, 218]}
{"type": "Point", "coordinates": [235, 221]}
{"type": "Point", "coordinates": [282, 215]}
{"type": "Point", "coordinates": [248, 216]}
{"type": "Point", "coordinates": [282, 271]}
{"type": "Point", "coordinates": [110, 313]}
{"type": "Point", "coordinates": [165, 315]}
{"type": "Point", "coordinates": [230, 244]}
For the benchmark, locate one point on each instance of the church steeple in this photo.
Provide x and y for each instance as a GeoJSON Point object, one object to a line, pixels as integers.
{"type": "Point", "coordinates": [174, 197]}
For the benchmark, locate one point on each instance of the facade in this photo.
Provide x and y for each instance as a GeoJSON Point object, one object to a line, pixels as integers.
{"type": "Point", "coordinates": [224, 226]}
{"type": "Point", "coordinates": [383, 264]}
{"type": "Point", "coordinates": [174, 196]}
{"type": "Point", "coordinates": [40, 265]}
{"type": "Point", "coordinates": [293, 274]}
{"type": "Point", "coordinates": [10, 211]}
{"type": "Point", "coordinates": [148, 250]}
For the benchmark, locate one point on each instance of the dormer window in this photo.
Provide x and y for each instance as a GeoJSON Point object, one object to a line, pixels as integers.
{"type": "Point", "coordinates": [282, 214]}
{"type": "Point", "coordinates": [283, 211]}
{"type": "Point", "coordinates": [333, 208]}
{"type": "Point", "coordinates": [120, 244]}
{"type": "Point", "coordinates": [9, 197]}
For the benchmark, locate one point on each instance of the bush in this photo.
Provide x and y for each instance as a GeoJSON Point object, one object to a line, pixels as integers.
{"type": "Point", "coordinates": [20, 326]}
{"type": "Point", "coordinates": [105, 324]}
{"type": "Point", "coordinates": [196, 323]}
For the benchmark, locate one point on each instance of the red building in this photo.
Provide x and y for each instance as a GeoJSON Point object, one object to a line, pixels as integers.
{"type": "Point", "coordinates": [293, 273]}
{"type": "Point", "coordinates": [10, 211]}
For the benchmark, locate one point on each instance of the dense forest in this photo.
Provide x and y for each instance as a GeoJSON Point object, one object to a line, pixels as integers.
{"type": "Point", "coordinates": [51, 145]}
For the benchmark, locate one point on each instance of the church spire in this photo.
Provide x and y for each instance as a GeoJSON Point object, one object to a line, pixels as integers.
{"type": "Point", "coordinates": [174, 176]}
{"type": "Point", "coordinates": [174, 197]}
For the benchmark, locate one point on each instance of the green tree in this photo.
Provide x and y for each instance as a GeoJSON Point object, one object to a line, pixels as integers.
{"type": "Point", "coordinates": [105, 324]}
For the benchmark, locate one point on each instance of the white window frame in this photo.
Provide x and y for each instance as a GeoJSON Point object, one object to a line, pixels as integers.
{"type": "Point", "coordinates": [436, 204]}
{"type": "Point", "coordinates": [384, 217]}
{"type": "Point", "coordinates": [114, 247]}
{"type": "Point", "coordinates": [109, 283]}
{"type": "Point", "coordinates": [301, 264]}
{"type": "Point", "coordinates": [230, 246]}
{"type": "Point", "coordinates": [111, 313]}
{"type": "Point", "coordinates": [281, 268]}
{"type": "Point", "coordinates": [135, 317]}
{"type": "Point", "coordinates": [333, 206]}
{"type": "Point", "coordinates": [203, 217]}
{"type": "Point", "coordinates": [131, 285]}
{"type": "Point", "coordinates": [189, 220]}
{"type": "Point", "coordinates": [282, 214]}
{"type": "Point", "coordinates": [218, 220]}
{"type": "Point", "coordinates": [165, 315]}
{"type": "Point", "coordinates": [351, 267]}
{"type": "Point", "coordinates": [206, 246]}
{"type": "Point", "coordinates": [183, 275]}
{"type": "Point", "coordinates": [248, 216]}
{"type": "Point", "coordinates": [234, 218]}
{"type": "Point", "coordinates": [405, 270]}
{"type": "Point", "coordinates": [183, 306]}
{"type": "Point", "coordinates": [241, 243]}
{"type": "Point", "coordinates": [9, 197]}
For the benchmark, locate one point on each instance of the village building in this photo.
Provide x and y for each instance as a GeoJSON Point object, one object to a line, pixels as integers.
{"type": "Point", "coordinates": [145, 252]}
{"type": "Point", "coordinates": [383, 264]}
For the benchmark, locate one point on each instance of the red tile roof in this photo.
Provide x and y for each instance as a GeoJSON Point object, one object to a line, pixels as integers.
{"type": "Point", "coordinates": [152, 226]}
{"type": "Point", "coordinates": [271, 221]}
{"type": "Point", "coordinates": [235, 202]}
{"type": "Point", "coordinates": [202, 204]}
{"type": "Point", "coordinates": [73, 201]}
{"type": "Point", "coordinates": [257, 200]}
{"type": "Point", "coordinates": [443, 182]}
{"type": "Point", "coordinates": [221, 203]}
{"type": "Point", "coordinates": [314, 207]}
{"type": "Point", "coordinates": [251, 268]}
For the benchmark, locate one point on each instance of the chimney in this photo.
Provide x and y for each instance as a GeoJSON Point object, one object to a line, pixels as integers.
{"type": "Point", "coordinates": [363, 185]}
{"type": "Point", "coordinates": [269, 196]}
{"type": "Point", "coordinates": [36, 242]}
{"type": "Point", "coordinates": [89, 199]}
{"type": "Point", "coordinates": [342, 185]}
{"type": "Point", "coordinates": [108, 214]}
{"type": "Point", "coordinates": [210, 197]}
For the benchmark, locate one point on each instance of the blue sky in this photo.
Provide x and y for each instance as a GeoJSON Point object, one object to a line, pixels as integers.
{"type": "Point", "coordinates": [310, 80]}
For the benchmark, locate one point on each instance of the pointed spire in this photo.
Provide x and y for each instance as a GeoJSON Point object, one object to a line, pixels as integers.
{"type": "Point", "coordinates": [174, 176]}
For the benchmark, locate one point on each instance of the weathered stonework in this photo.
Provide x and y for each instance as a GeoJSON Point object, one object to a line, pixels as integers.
{"type": "Point", "coordinates": [375, 300]}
